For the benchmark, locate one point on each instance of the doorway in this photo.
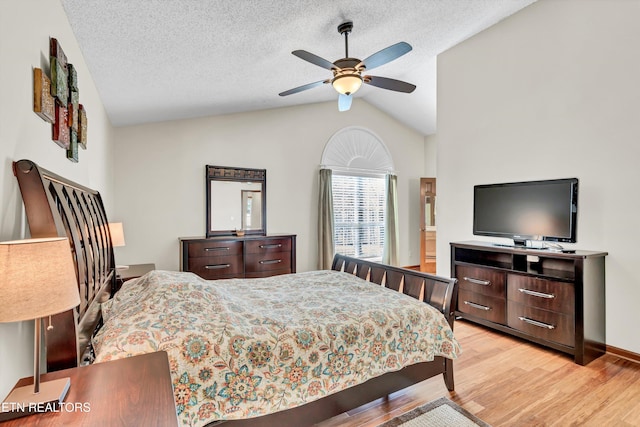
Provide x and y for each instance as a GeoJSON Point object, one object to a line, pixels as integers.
{"type": "Point", "coordinates": [428, 225]}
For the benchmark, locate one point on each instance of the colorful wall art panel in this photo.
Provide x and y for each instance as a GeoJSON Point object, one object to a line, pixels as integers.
{"type": "Point", "coordinates": [56, 99]}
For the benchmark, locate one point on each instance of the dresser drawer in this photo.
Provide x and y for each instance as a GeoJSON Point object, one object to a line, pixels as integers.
{"type": "Point", "coordinates": [548, 325]}
{"type": "Point", "coordinates": [541, 293]}
{"type": "Point", "coordinates": [268, 246]}
{"type": "Point", "coordinates": [483, 306]}
{"type": "Point", "coordinates": [258, 263]}
{"type": "Point", "coordinates": [481, 280]}
{"type": "Point", "coordinates": [217, 267]}
{"type": "Point", "coordinates": [214, 248]}
{"type": "Point", "coordinates": [235, 257]}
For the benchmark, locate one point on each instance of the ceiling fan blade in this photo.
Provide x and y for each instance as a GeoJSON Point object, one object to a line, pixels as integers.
{"type": "Point", "coordinates": [390, 84]}
{"type": "Point", "coordinates": [344, 102]}
{"type": "Point", "coordinates": [303, 87]}
{"type": "Point", "coordinates": [387, 54]}
{"type": "Point", "coordinates": [314, 59]}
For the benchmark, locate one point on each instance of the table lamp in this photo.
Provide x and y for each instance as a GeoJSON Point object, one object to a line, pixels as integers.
{"type": "Point", "coordinates": [117, 239]}
{"type": "Point", "coordinates": [37, 279]}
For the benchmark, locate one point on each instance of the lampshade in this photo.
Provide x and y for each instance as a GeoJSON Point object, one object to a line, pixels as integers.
{"type": "Point", "coordinates": [117, 234]}
{"type": "Point", "coordinates": [347, 84]}
{"type": "Point", "coordinates": [37, 279]}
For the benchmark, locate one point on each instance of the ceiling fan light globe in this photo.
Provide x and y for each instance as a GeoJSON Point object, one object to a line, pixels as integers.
{"type": "Point", "coordinates": [347, 84]}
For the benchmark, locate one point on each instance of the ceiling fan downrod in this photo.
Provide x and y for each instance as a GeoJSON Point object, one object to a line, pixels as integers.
{"type": "Point", "coordinates": [345, 28]}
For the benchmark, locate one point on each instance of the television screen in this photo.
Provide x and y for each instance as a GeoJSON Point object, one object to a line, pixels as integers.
{"type": "Point", "coordinates": [534, 210]}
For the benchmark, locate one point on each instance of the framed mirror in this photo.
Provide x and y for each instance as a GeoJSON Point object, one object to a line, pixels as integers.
{"type": "Point", "coordinates": [236, 201]}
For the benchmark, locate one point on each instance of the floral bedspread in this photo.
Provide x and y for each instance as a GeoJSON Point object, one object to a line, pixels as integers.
{"type": "Point", "coordinates": [245, 348]}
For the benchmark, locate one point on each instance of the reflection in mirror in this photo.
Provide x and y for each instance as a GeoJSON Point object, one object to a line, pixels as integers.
{"type": "Point", "coordinates": [229, 203]}
{"type": "Point", "coordinates": [236, 200]}
{"type": "Point", "coordinates": [251, 201]}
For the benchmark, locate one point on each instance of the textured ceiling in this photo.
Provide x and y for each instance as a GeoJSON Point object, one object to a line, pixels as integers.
{"type": "Point", "coordinates": [156, 60]}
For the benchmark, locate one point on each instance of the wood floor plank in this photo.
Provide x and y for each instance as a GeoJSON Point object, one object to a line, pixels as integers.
{"type": "Point", "coordinates": [506, 381]}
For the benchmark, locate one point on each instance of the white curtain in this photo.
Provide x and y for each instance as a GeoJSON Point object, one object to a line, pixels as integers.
{"type": "Point", "coordinates": [325, 221]}
{"type": "Point", "coordinates": [391, 232]}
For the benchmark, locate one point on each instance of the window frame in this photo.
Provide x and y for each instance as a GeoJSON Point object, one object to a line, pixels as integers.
{"type": "Point", "coordinates": [359, 226]}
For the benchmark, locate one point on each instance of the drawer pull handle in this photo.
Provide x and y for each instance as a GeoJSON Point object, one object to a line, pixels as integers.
{"type": "Point", "coordinates": [478, 306]}
{"type": "Point", "coordinates": [217, 266]}
{"type": "Point", "coordinates": [271, 261]}
{"type": "Point", "coordinates": [536, 323]}
{"type": "Point", "coordinates": [478, 281]}
{"type": "Point", "coordinates": [536, 294]}
{"type": "Point", "coordinates": [279, 245]}
{"type": "Point", "coordinates": [215, 249]}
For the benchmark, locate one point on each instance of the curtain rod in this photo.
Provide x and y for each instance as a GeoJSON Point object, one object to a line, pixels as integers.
{"type": "Point", "coordinates": [358, 170]}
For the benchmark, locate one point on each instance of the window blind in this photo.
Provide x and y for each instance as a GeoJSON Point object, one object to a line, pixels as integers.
{"type": "Point", "coordinates": [359, 209]}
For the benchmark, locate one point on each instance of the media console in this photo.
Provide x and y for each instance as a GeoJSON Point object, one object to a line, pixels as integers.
{"type": "Point", "coordinates": [555, 299]}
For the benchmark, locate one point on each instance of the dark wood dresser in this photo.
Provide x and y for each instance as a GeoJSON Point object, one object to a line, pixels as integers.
{"type": "Point", "coordinates": [551, 298]}
{"type": "Point", "coordinates": [227, 257]}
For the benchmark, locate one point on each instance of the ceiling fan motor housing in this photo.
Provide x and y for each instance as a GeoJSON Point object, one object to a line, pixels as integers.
{"type": "Point", "coordinates": [348, 63]}
{"type": "Point", "coordinates": [346, 77]}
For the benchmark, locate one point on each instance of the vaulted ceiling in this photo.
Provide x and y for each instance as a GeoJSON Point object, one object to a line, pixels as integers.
{"type": "Point", "coordinates": [156, 60]}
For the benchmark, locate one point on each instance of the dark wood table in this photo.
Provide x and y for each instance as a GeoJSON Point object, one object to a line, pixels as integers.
{"type": "Point", "coordinates": [135, 391]}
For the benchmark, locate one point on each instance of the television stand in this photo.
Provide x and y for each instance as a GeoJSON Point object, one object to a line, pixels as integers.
{"type": "Point", "coordinates": [524, 247]}
{"type": "Point", "coordinates": [555, 299]}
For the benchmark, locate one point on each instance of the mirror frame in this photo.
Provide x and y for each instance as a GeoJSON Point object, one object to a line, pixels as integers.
{"type": "Point", "coordinates": [233, 174]}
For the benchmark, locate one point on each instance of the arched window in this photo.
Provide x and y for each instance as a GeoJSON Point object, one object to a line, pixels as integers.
{"type": "Point", "coordinates": [362, 187]}
{"type": "Point", "coordinates": [357, 149]}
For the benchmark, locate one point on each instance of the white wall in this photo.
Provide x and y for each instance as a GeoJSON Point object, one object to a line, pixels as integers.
{"type": "Point", "coordinates": [551, 92]}
{"type": "Point", "coordinates": [430, 155]}
{"type": "Point", "coordinates": [160, 175]}
{"type": "Point", "coordinates": [25, 28]}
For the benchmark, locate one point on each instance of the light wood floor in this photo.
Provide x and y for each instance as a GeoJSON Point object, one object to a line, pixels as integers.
{"type": "Point", "coordinates": [509, 382]}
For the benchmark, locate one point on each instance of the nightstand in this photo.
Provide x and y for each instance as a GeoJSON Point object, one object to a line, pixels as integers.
{"type": "Point", "coordinates": [135, 391]}
{"type": "Point", "coordinates": [134, 271]}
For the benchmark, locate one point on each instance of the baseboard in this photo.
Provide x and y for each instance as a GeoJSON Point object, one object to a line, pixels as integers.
{"type": "Point", "coordinates": [412, 267]}
{"type": "Point", "coordinates": [625, 354]}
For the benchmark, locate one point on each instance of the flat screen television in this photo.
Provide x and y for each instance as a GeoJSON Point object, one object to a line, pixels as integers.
{"type": "Point", "coordinates": [526, 211]}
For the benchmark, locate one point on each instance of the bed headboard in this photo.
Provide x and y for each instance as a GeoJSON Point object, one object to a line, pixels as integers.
{"type": "Point", "coordinates": [58, 207]}
{"type": "Point", "coordinates": [439, 292]}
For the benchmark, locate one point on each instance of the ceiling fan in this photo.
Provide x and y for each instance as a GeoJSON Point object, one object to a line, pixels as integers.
{"type": "Point", "coordinates": [348, 72]}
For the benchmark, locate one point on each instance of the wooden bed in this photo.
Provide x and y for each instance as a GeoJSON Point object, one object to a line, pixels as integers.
{"type": "Point", "coordinates": [58, 207]}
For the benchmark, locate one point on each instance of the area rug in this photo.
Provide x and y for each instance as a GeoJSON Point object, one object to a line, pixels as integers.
{"type": "Point", "coordinates": [438, 413]}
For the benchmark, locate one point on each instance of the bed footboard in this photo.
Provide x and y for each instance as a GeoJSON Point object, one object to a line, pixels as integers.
{"type": "Point", "coordinates": [439, 292]}
{"type": "Point", "coordinates": [434, 290]}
